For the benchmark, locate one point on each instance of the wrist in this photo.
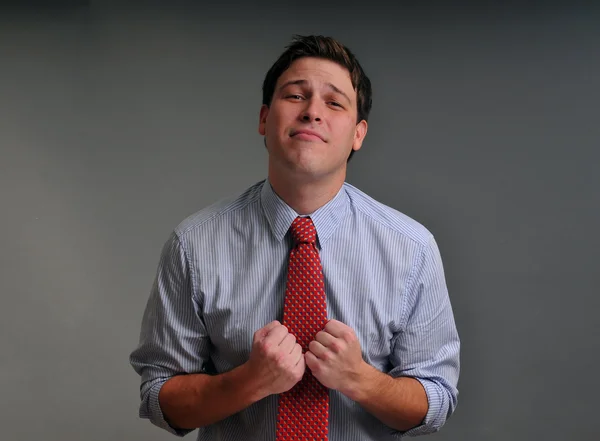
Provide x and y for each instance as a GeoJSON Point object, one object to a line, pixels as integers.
{"type": "Point", "coordinates": [365, 383]}
{"type": "Point", "coordinates": [249, 384]}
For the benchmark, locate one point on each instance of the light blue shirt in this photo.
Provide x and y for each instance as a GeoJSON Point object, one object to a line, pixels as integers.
{"type": "Point", "coordinates": [222, 276]}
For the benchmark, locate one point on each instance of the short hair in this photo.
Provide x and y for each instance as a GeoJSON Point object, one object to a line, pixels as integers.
{"type": "Point", "coordinates": [327, 48]}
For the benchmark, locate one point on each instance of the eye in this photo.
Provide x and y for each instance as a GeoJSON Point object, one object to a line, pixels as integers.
{"type": "Point", "coordinates": [295, 97]}
{"type": "Point", "coordinates": [335, 104]}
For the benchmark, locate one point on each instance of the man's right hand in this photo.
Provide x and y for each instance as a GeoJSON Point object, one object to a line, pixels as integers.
{"type": "Point", "coordinates": [276, 361]}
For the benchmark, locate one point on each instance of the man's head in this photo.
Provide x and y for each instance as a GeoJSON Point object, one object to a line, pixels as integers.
{"type": "Point", "coordinates": [318, 86]}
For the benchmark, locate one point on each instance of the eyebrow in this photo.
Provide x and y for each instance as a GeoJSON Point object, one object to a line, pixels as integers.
{"type": "Point", "coordinates": [304, 82]}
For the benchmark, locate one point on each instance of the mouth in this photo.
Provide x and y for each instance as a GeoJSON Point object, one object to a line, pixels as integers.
{"type": "Point", "coordinates": [306, 135]}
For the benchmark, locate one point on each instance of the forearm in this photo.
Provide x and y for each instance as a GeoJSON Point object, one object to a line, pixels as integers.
{"type": "Point", "coordinates": [401, 403]}
{"type": "Point", "coordinates": [198, 400]}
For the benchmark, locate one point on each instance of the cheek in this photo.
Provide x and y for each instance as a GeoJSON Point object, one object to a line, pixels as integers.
{"type": "Point", "coordinates": [345, 129]}
{"type": "Point", "coordinates": [278, 123]}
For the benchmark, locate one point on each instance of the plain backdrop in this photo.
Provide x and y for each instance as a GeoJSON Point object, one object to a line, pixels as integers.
{"type": "Point", "coordinates": [118, 121]}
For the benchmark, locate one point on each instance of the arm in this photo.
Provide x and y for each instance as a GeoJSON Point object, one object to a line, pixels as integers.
{"type": "Point", "coordinates": [335, 359]}
{"type": "Point", "coordinates": [419, 393]}
{"type": "Point", "coordinates": [198, 400]}
{"type": "Point", "coordinates": [173, 339]}
{"type": "Point", "coordinates": [401, 403]}
{"type": "Point", "coordinates": [179, 391]}
{"type": "Point", "coordinates": [276, 364]}
{"type": "Point", "coordinates": [427, 349]}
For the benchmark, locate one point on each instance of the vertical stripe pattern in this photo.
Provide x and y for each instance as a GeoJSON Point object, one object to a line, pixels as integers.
{"type": "Point", "coordinates": [222, 275]}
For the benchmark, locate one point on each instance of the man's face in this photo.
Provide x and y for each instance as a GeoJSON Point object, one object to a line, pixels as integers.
{"type": "Point", "coordinates": [310, 127]}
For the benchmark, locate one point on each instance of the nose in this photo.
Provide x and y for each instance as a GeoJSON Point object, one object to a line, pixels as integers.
{"type": "Point", "coordinates": [311, 112]}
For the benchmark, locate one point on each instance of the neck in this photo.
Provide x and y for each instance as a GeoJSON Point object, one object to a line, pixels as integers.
{"type": "Point", "coordinates": [305, 196]}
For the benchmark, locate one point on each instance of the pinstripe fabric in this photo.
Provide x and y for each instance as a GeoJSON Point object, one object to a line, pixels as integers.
{"type": "Point", "coordinates": [221, 276]}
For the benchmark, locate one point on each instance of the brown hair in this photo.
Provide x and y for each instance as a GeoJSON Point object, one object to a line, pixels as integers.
{"type": "Point", "coordinates": [327, 48]}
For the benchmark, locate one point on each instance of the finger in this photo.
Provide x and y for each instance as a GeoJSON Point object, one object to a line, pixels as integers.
{"type": "Point", "coordinates": [276, 335]}
{"type": "Point", "coordinates": [338, 329]}
{"type": "Point", "coordinates": [262, 332]}
{"type": "Point", "coordinates": [271, 326]}
{"type": "Point", "coordinates": [325, 338]}
{"type": "Point", "coordinates": [287, 344]}
{"type": "Point", "coordinates": [311, 361]}
{"type": "Point", "coordinates": [297, 355]}
{"type": "Point", "coordinates": [317, 349]}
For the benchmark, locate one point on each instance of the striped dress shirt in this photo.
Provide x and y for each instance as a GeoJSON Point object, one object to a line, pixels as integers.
{"type": "Point", "coordinates": [222, 276]}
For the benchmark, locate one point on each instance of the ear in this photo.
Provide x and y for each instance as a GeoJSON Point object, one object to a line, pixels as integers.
{"type": "Point", "coordinates": [359, 135]}
{"type": "Point", "coordinates": [264, 111]}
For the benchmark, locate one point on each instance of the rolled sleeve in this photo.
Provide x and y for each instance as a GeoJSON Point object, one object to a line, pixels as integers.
{"type": "Point", "coordinates": [173, 338]}
{"type": "Point", "coordinates": [428, 346]}
{"type": "Point", "coordinates": [150, 409]}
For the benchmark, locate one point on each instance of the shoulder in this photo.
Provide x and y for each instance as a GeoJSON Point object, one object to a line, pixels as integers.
{"type": "Point", "coordinates": [387, 217]}
{"type": "Point", "coordinates": [218, 213]}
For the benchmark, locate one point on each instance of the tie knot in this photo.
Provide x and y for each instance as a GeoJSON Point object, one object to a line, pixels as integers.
{"type": "Point", "coordinates": [303, 230]}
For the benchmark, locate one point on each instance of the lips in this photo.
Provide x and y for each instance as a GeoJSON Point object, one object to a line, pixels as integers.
{"type": "Point", "coordinates": [307, 134]}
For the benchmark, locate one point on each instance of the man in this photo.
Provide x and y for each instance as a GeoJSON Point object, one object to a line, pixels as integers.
{"type": "Point", "coordinates": [302, 309]}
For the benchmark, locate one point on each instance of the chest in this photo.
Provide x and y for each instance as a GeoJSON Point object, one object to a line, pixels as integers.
{"type": "Point", "coordinates": [242, 292]}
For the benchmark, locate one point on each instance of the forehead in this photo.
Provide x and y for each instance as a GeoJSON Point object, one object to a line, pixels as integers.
{"type": "Point", "coordinates": [317, 71]}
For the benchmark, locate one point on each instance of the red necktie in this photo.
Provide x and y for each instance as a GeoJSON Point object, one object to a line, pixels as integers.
{"type": "Point", "coordinates": [304, 410]}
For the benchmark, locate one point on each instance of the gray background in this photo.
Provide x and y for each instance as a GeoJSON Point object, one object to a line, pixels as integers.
{"type": "Point", "coordinates": [116, 123]}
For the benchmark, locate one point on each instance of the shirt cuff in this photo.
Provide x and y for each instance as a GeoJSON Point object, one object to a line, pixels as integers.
{"type": "Point", "coordinates": [435, 417]}
{"type": "Point", "coordinates": [150, 409]}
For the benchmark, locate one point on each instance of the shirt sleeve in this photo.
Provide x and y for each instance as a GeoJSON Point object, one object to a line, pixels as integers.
{"type": "Point", "coordinates": [428, 346]}
{"type": "Point", "coordinates": [173, 338]}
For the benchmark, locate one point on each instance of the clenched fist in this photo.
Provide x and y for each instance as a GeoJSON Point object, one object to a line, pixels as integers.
{"type": "Point", "coordinates": [335, 358]}
{"type": "Point", "coordinates": [276, 361]}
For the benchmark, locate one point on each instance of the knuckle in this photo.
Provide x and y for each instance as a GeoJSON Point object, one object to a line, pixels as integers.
{"type": "Point", "coordinates": [326, 356]}
{"type": "Point", "coordinates": [265, 348]}
{"type": "Point", "coordinates": [299, 371]}
{"type": "Point", "coordinates": [335, 346]}
{"type": "Point", "coordinates": [280, 360]}
{"type": "Point", "coordinates": [348, 336]}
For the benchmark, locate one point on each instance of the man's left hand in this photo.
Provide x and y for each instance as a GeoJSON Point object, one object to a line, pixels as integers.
{"type": "Point", "coordinates": [335, 358]}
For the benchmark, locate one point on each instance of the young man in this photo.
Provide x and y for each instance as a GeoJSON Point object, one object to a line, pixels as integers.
{"type": "Point", "coordinates": [302, 309]}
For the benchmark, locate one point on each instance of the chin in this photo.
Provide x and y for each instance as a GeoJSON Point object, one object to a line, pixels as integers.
{"type": "Point", "coordinates": [303, 165]}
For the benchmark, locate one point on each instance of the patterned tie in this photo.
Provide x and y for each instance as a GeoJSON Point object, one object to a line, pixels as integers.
{"type": "Point", "coordinates": [304, 410]}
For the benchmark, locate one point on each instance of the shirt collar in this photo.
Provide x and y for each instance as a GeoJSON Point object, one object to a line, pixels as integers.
{"type": "Point", "coordinates": [280, 215]}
